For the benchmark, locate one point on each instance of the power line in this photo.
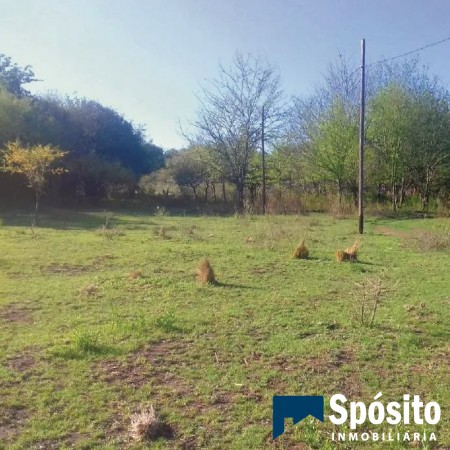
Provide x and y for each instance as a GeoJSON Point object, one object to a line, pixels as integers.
{"type": "Point", "coordinates": [410, 52]}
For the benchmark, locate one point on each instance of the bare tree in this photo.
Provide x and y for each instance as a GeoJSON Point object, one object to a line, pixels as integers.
{"type": "Point", "coordinates": [229, 119]}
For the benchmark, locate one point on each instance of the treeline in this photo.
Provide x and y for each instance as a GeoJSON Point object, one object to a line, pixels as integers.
{"type": "Point", "coordinates": [105, 154]}
{"type": "Point", "coordinates": [313, 140]}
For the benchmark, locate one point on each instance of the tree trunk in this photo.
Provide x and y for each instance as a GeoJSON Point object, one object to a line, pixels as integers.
{"type": "Point", "coordinates": [402, 193]}
{"type": "Point", "coordinates": [240, 197]}
{"type": "Point", "coordinates": [425, 195]}
{"type": "Point", "coordinates": [340, 193]}
{"type": "Point", "coordinates": [36, 209]}
{"type": "Point", "coordinates": [206, 192]}
{"type": "Point", "coordinates": [224, 192]}
{"type": "Point", "coordinates": [394, 197]}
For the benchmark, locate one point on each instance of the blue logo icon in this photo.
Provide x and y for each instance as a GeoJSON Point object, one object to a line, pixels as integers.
{"type": "Point", "coordinates": [297, 407]}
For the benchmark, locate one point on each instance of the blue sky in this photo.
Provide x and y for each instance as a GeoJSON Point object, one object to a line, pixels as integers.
{"type": "Point", "coordinates": [146, 58]}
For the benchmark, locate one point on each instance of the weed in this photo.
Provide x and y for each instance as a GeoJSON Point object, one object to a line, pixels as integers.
{"type": "Point", "coordinates": [162, 233]}
{"type": "Point", "coordinates": [167, 322]}
{"type": "Point", "coordinates": [370, 293]}
{"type": "Point", "coordinates": [86, 342]}
{"type": "Point", "coordinates": [109, 230]}
{"type": "Point", "coordinates": [109, 233]}
{"type": "Point", "coordinates": [161, 211]}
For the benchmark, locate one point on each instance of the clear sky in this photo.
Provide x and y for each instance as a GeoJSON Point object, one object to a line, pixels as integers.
{"type": "Point", "coordinates": [146, 58]}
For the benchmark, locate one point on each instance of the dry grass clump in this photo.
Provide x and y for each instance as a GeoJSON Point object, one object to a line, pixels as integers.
{"type": "Point", "coordinates": [350, 254]}
{"type": "Point", "coordinates": [88, 290]}
{"type": "Point", "coordinates": [109, 232]}
{"type": "Point", "coordinates": [145, 425]}
{"type": "Point", "coordinates": [135, 274]}
{"type": "Point", "coordinates": [301, 252]}
{"type": "Point", "coordinates": [437, 241]}
{"type": "Point", "coordinates": [162, 232]}
{"type": "Point", "coordinates": [205, 272]}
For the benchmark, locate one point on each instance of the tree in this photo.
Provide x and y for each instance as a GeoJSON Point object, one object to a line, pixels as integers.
{"type": "Point", "coordinates": [13, 77]}
{"type": "Point", "coordinates": [430, 144]}
{"type": "Point", "coordinates": [229, 120]}
{"type": "Point", "coordinates": [187, 171]}
{"type": "Point", "coordinates": [35, 163]}
{"type": "Point", "coordinates": [14, 115]}
{"type": "Point", "coordinates": [334, 150]}
{"type": "Point", "coordinates": [389, 130]}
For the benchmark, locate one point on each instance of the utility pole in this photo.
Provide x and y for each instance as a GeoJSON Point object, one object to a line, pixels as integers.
{"type": "Point", "coordinates": [361, 139]}
{"type": "Point", "coordinates": [263, 154]}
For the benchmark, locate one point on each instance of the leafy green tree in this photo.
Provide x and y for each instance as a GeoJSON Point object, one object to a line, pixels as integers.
{"type": "Point", "coordinates": [14, 117]}
{"type": "Point", "coordinates": [187, 171]}
{"type": "Point", "coordinates": [334, 149]}
{"type": "Point", "coordinates": [429, 162]}
{"type": "Point", "coordinates": [389, 131]}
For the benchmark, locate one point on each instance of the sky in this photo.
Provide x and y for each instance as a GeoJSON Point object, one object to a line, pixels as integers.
{"type": "Point", "coordinates": [148, 58]}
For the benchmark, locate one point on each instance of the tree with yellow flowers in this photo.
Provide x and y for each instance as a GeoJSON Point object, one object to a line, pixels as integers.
{"type": "Point", "coordinates": [35, 163]}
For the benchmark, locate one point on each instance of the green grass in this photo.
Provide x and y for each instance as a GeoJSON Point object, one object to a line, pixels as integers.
{"type": "Point", "coordinates": [84, 346]}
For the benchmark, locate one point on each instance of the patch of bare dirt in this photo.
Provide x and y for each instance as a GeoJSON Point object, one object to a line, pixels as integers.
{"type": "Point", "coordinates": [11, 421]}
{"type": "Point", "coordinates": [48, 444]}
{"type": "Point", "coordinates": [100, 259]}
{"type": "Point", "coordinates": [67, 269]}
{"type": "Point", "coordinates": [127, 372]}
{"type": "Point", "coordinates": [386, 231]}
{"type": "Point", "coordinates": [338, 365]}
{"type": "Point", "coordinates": [323, 364]}
{"type": "Point", "coordinates": [21, 363]}
{"type": "Point", "coordinates": [147, 365]}
{"type": "Point", "coordinates": [189, 443]}
{"type": "Point", "coordinates": [16, 313]}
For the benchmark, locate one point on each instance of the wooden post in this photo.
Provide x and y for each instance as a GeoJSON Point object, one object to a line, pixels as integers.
{"type": "Point", "coordinates": [263, 154]}
{"type": "Point", "coordinates": [361, 140]}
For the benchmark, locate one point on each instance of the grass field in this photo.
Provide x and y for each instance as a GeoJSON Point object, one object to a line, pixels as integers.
{"type": "Point", "coordinates": [99, 322]}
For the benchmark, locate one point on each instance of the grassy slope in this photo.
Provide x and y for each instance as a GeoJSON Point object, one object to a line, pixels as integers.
{"type": "Point", "coordinates": [75, 365]}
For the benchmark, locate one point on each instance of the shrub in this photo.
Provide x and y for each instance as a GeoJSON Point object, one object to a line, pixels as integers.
{"type": "Point", "coordinates": [369, 295]}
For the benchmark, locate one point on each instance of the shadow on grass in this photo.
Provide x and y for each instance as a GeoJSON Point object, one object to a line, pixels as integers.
{"type": "Point", "coordinates": [366, 263]}
{"type": "Point", "coordinates": [233, 285]}
{"type": "Point", "coordinates": [75, 353]}
{"type": "Point", "coordinates": [78, 220]}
